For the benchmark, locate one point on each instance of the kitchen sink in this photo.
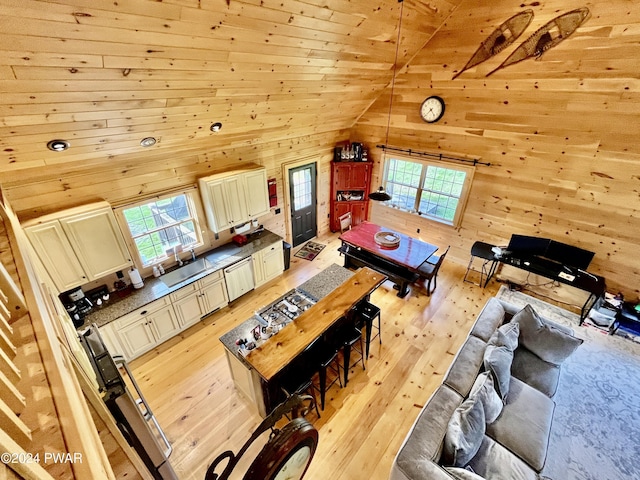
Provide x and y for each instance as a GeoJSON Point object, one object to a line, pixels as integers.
{"type": "Point", "coordinates": [183, 273]}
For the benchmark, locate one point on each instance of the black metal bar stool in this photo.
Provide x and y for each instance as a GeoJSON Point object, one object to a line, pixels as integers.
{"type": "Point", "coordinates": [322, 355]}
{"type": "Point", "coordinates": [351, 338]}
{"type": "Point", "coordinates": [483, 251]}
{"type": "Point", "coordinates": [368, 312]}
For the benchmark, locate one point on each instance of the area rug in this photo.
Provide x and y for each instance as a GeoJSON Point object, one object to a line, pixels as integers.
{"type": "Point", "coordinates": [596, 425]}
{"type": "Point", "coordinates": [309, 250]}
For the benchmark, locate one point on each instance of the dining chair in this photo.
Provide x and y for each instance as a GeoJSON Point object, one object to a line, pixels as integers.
{"type": "Point", "coordinates": [483, 251]}
{"type": "Point", "coordinates": [429, 271]}
{"type": "Point", "coordinates": [345, 222]}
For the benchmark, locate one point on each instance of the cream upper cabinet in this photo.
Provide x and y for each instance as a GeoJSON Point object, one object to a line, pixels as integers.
{"type": "Point", "coordinates": [97, 241]}
{"type": "Point", "coordinates": [56, 254]}
{"type": "Point", "coordinates": [233, 198]}
{"type": "Point", "coordinates": [257, 192]}
{"type": "Point", "coordinates": [215, 202]}
{"type": "Point", "coordinates": [79, 245]}
{"type": "Point", "coordinates": [224, 201]}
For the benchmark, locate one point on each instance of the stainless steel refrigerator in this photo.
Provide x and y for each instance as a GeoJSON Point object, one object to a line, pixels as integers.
{"type": "Point", "coordinates": [132, 415]}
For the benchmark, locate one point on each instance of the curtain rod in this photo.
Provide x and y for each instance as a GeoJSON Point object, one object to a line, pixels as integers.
{"type": "Point", "coordinates": [438, 156]}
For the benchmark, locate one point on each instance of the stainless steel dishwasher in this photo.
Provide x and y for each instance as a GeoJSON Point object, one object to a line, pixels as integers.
{"type": "Point", "coordinates": [239, 278]}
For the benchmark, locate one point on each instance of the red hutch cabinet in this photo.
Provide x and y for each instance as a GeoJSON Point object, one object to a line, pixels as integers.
{"type": "Point", "coordinates": [350, 186]}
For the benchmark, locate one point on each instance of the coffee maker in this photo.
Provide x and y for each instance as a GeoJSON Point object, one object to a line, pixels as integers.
{"type": "Point", "coordinates": [76, 304]}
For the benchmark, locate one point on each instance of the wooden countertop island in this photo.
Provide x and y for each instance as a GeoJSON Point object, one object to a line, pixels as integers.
{"type": "Point", "coordinates": [255, 375]}
{"type": "Point", "coordinates": [281, 349]}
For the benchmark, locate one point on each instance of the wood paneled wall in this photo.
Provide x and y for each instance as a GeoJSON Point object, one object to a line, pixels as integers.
{"type": "Point", "coordinates": [290, 79]}
{"type": "Point", "coordinates": [103, 75]}
{"type": "Point", "coordinates": [560, 133]}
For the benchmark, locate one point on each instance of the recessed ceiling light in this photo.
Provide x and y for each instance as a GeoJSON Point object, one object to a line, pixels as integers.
{"type": "Point", "coordinates": [215, 127]}
{"type": "Point", "coordinates": [58, 145]}
{"type": "Point", "coordinates": [148, 142]}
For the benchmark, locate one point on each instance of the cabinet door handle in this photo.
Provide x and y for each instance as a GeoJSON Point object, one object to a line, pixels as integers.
{"type": "Point", "coordinates": [144, 312]}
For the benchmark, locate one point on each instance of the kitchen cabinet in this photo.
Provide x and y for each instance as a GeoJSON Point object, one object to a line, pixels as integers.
{"type": "Point", "coordinates": [247, 382]}
{"type": "Point", "coordinates": [56, 254]}
{"type": "Point", "coordinates": [358, 211]}
{"type": "Point", "coordinates": [257, 192]}
{"type": "Point", "coordinates": [111, 340]}
{"type": "Point", "coordinates": [350, 187]}
{"type": "Point", "coordinates": [214, 292]}
{"type": "Point", "coordinates": [200, 298]}
{"type": "Point", "coordinates": [225, 205]}
{"type": "Point", "coordinates": [351, 175]}
{"type": "Point", "coordinates": [268, 263]}
{"type": "Point", "coordinates": [234, 197]}
{"type": "Point", "coordinates": [143, 329]}
{"type": "Point", "coordinates": [79, 245]}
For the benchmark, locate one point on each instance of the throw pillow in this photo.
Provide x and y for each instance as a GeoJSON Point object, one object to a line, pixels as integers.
{"type": "Point", "coordinates": [485, 392]}
{"type": "Point", "coordinates": [548, 343]}
{"type": "Point", "coordinates": [507, 335]}
{"type": "Point", "coordinates": [464, 433]}
{"type": "Point", "coordinates": [498, 361]}
{"type": "Point", "coordinates": [463, 474]}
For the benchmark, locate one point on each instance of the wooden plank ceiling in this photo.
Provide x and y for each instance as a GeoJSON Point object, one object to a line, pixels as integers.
{"type": "Point", "coordinates": [103, 74]}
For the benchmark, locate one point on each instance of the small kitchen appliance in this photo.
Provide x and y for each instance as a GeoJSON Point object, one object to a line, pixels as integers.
{"type": "Point", "coordinates": [239, 240]}
{"type": "Point", "coordinates": [76, 304]}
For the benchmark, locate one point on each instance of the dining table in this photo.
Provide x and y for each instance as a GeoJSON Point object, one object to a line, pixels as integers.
{"type": "Point", "coordinates": [390, 252]}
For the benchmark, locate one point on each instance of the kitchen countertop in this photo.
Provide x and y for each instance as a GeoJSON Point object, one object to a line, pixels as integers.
{"type": "Point", "coordinates": [318, 287]}
{"type": "Point", "coordinates": [271, 356]}
{"type": "Point", "coordinates": [154, 288]}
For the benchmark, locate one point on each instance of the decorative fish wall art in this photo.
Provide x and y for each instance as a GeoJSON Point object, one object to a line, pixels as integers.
{"type": "Point", "coordinates": [501, 38]}
{"type": "Point", "coordinates": [546, 37]}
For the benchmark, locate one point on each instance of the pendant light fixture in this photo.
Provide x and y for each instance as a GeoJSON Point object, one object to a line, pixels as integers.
{"type": "Point", "coordinates": [381, 195]}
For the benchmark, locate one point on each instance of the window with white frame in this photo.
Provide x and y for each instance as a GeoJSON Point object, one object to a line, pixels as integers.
{"type": "Point", "coordinates": [431, 189]}
{"type": "Point", "coordinates": [158, 226]}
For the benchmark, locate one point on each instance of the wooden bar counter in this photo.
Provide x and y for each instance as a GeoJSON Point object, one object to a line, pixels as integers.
{"type": "Point", "coordinates": [281, 349]}
{"type": "Point", "coordinates": [255, 375]}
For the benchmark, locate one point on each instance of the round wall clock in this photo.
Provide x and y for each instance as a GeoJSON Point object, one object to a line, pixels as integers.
{"type": "Point", "coordinates": [432, 109]}
{"type": "Point", "coordinates": [288, 453]}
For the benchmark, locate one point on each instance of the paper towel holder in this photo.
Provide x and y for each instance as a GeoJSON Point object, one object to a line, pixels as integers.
{"type": "Point", "coordinates": [136, 279]}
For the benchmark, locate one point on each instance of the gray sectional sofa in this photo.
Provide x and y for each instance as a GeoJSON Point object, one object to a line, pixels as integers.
{"type": "Point", "coordinates": [492, 415]}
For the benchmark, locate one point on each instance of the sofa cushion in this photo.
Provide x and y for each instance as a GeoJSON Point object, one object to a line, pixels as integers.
{"type": "Point", "coordinates": [462, 473]}
{"type": "Point", "coordinates": [498, 361]}
{"type": "Point", "coordinates": [493, 461]}
{"type": "Point", "coordinates": [421, 448]}
{"type": "Point", "coordinates": [490, 318]}
{"type": "Point", "coordinates": [550, 344]}
{"type": "Point", "coordinates": [465, 366]}
{"type": "Point", "coordinates": [484, 390]}
{"type": "Point", "coordinates": [524, 425]}
{"type": "Point", "coordinates": [506, 336]}
{"type": "Point", "coordinates": [534, 371]}
{"type": "Point", "coordinates": [464, 433]}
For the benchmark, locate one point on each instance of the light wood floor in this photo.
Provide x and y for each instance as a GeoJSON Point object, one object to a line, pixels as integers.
{"type": "Point", "coordinates": [187, 383]}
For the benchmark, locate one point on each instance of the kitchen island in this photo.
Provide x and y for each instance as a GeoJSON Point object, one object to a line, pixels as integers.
{"type": "Point", "coordinates": [255, 372]}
